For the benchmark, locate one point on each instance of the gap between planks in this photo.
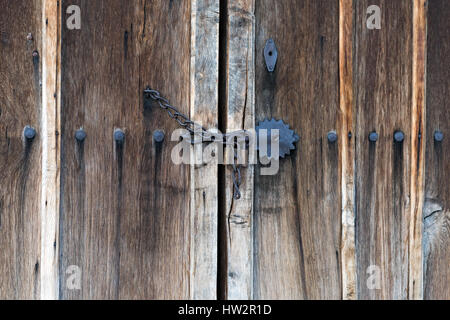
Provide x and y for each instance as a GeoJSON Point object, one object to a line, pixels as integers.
{"type": "Point", "coordinates": [418, 120]}
{"type": "Point", "coordinates": [347, 150]}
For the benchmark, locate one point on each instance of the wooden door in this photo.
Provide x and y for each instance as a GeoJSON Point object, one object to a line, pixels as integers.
{"type": "Point", "coordinates": [93, 207]}
{"type": "Point", "coordinates": [138, 226]}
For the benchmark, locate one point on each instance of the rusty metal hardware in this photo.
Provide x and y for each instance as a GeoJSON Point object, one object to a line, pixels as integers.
{"type": "Point", "coordinates": [438, 136]}
{"type": "Point", "coordinates": [287, 137]}
{"type": "Point", "coordinates": [399, 136]}
{"type": "Point", "coordinates": [270, 55]}
{"type": "Point", "coordinates": [332, 136]}
{"type": "Point", "coordinates": [80, 135]}
{"type": "Point", "coordinates": [373, 137]}
{"type": "Point", "coordinates": [199, 134]}
{"type": "Point", "coordinates": [29, 133]}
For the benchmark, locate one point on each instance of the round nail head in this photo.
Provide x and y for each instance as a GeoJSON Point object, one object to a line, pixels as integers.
{"type": "Point", "coordinates": [373, 137]}
{"type": "Point", "coordinates": [438, 136]}
{"type": "Point", "coordinates": [29, 133]}
{"type": "Point", "coordinates": [80, 135]}
{"type": "Point", "coordinates": [158, 135]}
{"type": "Point", "coordinates": [399, 136]}
{"type": "Point", "coordinates": [332, 136]}
{"type": "Point", "coordinates": [119, 136]}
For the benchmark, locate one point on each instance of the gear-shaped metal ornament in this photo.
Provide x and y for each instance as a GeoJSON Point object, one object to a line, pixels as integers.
{"type": "Point", "coordinates": [287, 137]}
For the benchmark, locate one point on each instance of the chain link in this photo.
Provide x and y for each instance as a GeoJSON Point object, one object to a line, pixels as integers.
{"type": "Point", "coordinates": [197, 130]}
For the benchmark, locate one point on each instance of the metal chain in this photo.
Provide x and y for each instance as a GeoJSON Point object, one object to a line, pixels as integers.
{"type": "Point", "coordinates": [197, 130]}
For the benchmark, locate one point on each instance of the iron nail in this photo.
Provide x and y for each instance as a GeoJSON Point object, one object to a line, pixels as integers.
{"type": "Point", "coordinates": [119, 136]}
{"type": "Point", "coordinates": [373, 137]}
{"type": "Point", "coordinates": [80, 135]}
{"type": "Point", "coordinates": [29, 37]}
{"type": "Point", "coordinates": [438, 136]}
{"type": "Point", "coordinates": [399, 136]}
{"type": "Point", "coordinates": [29, 133]}
{"type": "Point", "coordinates": [332, 136]}
{"type": "Point", "coordinates": [158, 135]}
{"type": "Point", "coordinates": [35, 53]}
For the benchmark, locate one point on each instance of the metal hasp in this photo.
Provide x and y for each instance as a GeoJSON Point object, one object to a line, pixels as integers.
{"type": "Point", "coordinates": [287, 136]}
{"type": "Point", "coordinates": [270, 55]}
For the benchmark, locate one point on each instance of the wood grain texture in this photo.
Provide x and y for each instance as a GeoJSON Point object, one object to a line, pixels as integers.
{"type": "Point", "coordinates": [382, 84]}
{"type": "Point", "coordinates": [347, 149]}
{"type": "Point", "coordinates": [239, 113]}
{"type": "Point", "coordinates": [437, 189]}
{"type": "Point", "coordinates": [126, 215]}
{"type": "Point", "coordinates": [297, 213]}
{"type": "Point", "coordinates": [20, 159]}
{"type": "Point", "coordinates": [418, 114]}
{"type": "Point", "coordinates": [204, 177]}
{"type": "Point", "coordinates": [50, 122]}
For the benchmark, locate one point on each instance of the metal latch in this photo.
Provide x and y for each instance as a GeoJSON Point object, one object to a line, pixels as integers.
{"type": "Point", "coordinates": [198, 134]}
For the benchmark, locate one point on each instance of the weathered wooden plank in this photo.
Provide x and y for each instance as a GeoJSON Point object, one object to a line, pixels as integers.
{"type": "Point", "coordinates": [50, 122]}
{"type": "Point", "coordinates": [383, 82]}
{"type": "Point", "coordinates": [239, 114]}
{"type": "Point", "coordinates": [204, 178]}
{"type": "Point", "coordinates": [297, 213]}
{"type": "Point", "coordinates": [437, 189]}
{"type": "Point", "coordinates": [127, 219]}
{"type": "Point", "coordinates": [347, 149]}
{"type": "Point", "coordinates": [20, 159]}
{"type": "Point", "coordinates": [417, 150]}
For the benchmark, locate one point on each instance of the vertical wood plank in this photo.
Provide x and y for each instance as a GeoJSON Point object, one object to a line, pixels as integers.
{"type": "Point", "coordinates": [383, 82]}
{"type": "Point", "coordinates": [418, 115]}
{"type": "Point", "coordinates": [347, 149]}
{"type": "Point", "coordinates": [204, 178]}
{"type": "Point", "coordinates": [436, 211]}
{"type": "Point", "coordinates": [20, 159]}
{"type": "Point", "coordinates": [297, 213]}
{"type": "Point", "coordinates": [50, 126]}
{"type": "Point", "coordinates": [239, 113]}
{"type": "Point", "coordinates": [127, 219]}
